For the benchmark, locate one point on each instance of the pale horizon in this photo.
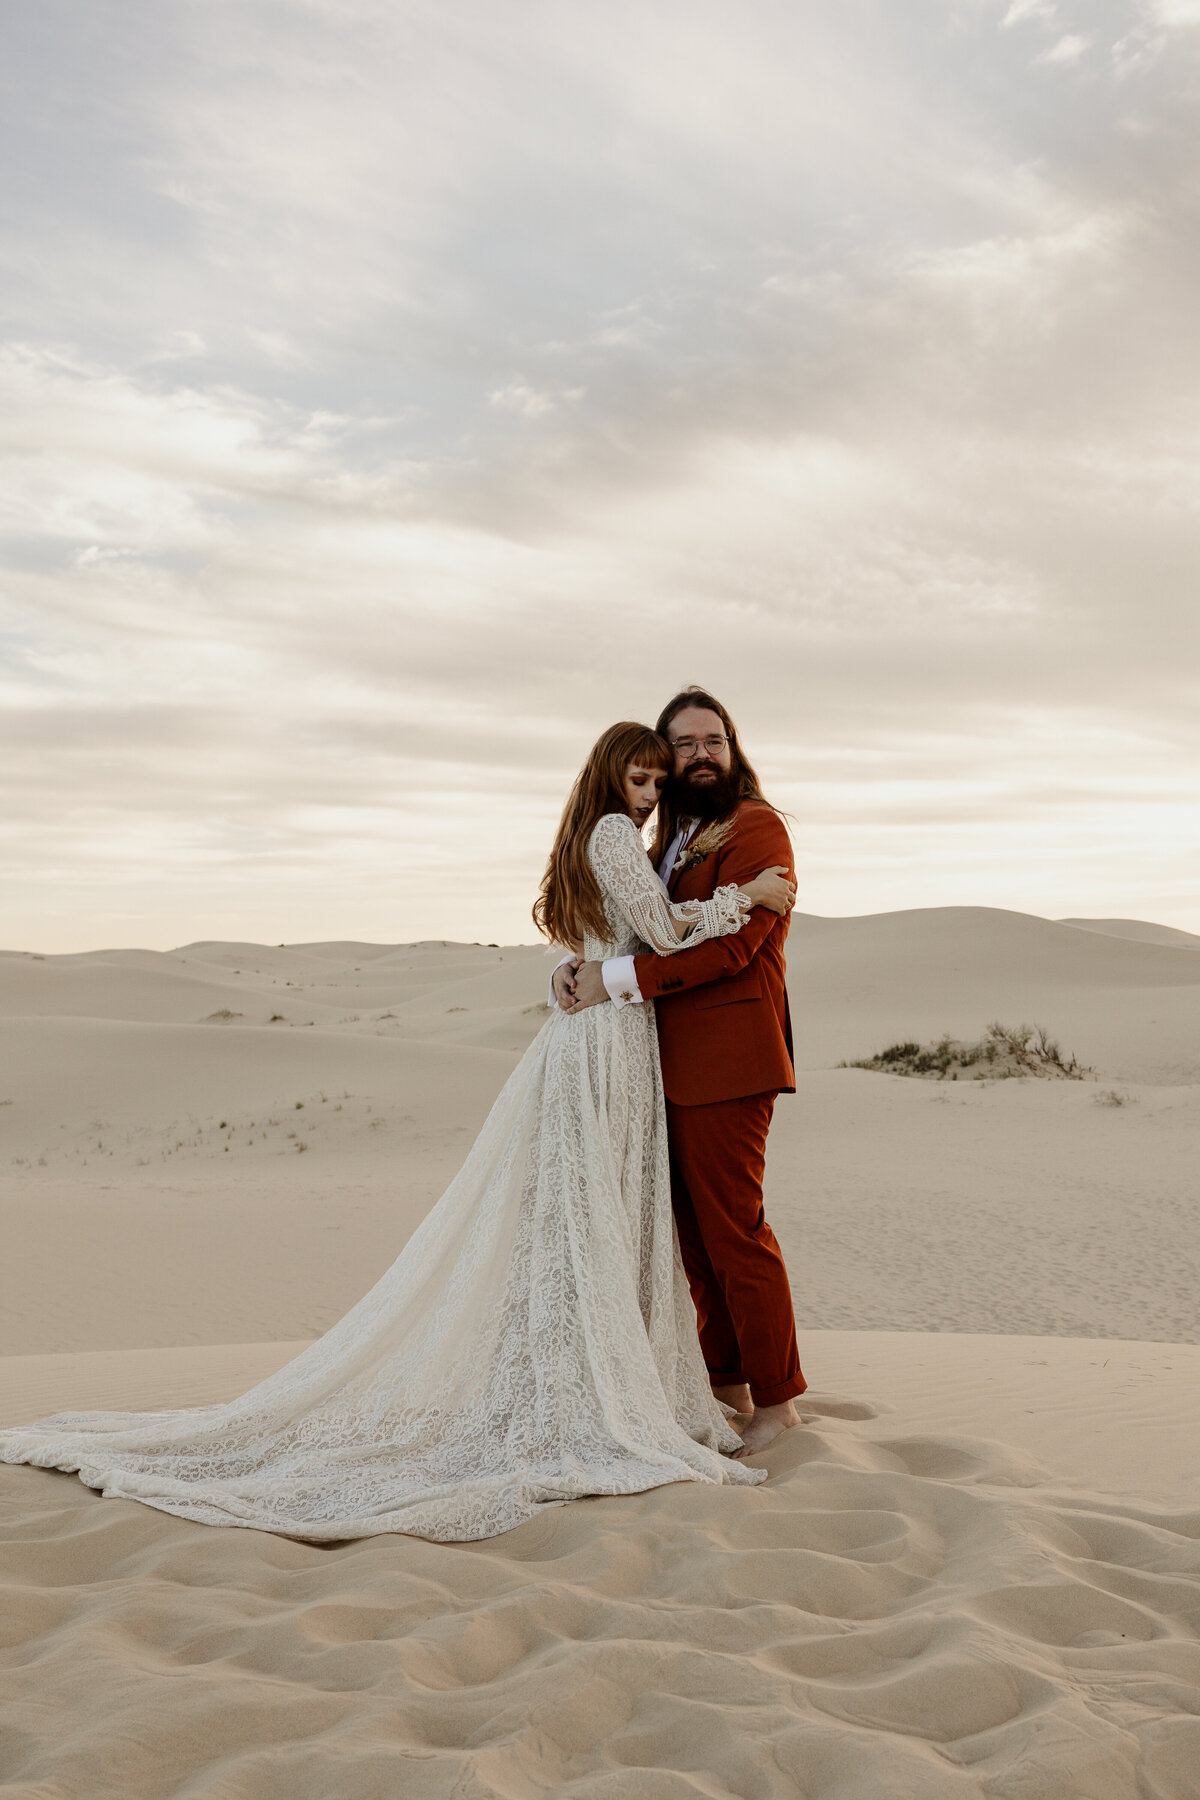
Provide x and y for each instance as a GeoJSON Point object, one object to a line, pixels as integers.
{"type": "Point", "coordinates": [394, 399]}
{"type": "Point", "coordinates": [1098, 921]}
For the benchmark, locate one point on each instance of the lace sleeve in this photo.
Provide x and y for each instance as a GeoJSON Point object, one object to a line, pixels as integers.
{"type": "Point", "coordinates": [628, 882]}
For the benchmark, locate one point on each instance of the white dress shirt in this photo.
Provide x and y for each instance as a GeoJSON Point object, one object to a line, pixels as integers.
{"type": "Point", "coordinates": [677, 845]}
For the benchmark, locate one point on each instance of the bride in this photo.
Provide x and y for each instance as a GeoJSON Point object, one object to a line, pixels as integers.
{"type": "Point", "coordinates": [535, 1340]}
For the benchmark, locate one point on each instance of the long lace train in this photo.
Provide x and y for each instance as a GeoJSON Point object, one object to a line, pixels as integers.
{"type": "Point", "coordinates": [534, 1341]}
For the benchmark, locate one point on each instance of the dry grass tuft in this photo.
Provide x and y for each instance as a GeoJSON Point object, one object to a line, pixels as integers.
{"type": "Point", "coordinates": [1003, 1053]}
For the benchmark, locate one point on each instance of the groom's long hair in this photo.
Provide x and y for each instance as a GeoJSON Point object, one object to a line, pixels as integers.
{"type": "Point", "coordinates": [569, 901]}
{"type": "Point", "coordinates": [746, 785]}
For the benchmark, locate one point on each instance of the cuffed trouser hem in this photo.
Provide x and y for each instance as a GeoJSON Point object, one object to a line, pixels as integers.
{"type": "Point", "coordinates": [783, 1390]}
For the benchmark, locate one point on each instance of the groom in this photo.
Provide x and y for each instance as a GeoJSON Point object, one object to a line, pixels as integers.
{"type": "Point", "coordinates": [725, 1040]}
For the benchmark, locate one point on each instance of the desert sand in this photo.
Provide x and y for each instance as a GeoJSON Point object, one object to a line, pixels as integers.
{"type": "Point", "coordinates": [975, 1570]}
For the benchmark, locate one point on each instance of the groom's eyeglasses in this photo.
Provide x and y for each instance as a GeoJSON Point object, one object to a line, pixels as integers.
{"type": "Point", "coordinates": [688, 747]}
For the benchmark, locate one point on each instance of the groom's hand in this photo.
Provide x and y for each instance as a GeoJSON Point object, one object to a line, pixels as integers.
{"type": "Point", "coordinates": [589, 986]}
{"type": "Point", "coordinates": [563, 983]}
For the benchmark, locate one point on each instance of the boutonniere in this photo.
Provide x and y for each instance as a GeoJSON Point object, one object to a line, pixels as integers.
{"type": "Point", "coordinates": [707, 839]}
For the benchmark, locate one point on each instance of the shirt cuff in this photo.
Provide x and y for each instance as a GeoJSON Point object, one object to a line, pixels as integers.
{"type": "Point", "coordinates": [551, 1002]}
{"type": "Point", "coordinates": [621, 981]}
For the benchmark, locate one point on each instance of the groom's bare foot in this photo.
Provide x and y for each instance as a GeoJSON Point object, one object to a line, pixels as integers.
{"type": "Point", "coordinates": [738, 1397]}
{"type": "Point", "coordinates": [765, 1426]}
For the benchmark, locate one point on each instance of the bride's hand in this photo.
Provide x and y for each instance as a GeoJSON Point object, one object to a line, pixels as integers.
{"type": "Point", "coordinates": [772, 889]}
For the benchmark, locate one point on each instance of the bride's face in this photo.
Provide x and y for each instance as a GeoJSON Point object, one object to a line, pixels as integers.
{"type": "Point", "coordinates": [642, 788]}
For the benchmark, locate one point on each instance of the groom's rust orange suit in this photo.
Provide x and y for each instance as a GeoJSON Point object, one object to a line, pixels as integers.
{"type": "Point", "coordinates": [725, 1038]}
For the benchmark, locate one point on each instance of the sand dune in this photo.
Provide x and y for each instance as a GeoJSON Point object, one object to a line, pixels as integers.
{"type": "Point", "coordinates": [1020, 1207]}
{"type": "Point", "coordinates": [1139, 929]}
{"type": "Point", "coordinates": [1131, 1009]}
{"type": "Point", "coordinates": [975, 1571]}
{"type": "Point", "coordinates": [892, 1615]}
{"type": "Point", "coordinates": [150, 1133]}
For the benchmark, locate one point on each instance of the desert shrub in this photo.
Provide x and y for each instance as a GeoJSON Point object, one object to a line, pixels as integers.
{"type": "Point", "coordinates": [1003, 1052]}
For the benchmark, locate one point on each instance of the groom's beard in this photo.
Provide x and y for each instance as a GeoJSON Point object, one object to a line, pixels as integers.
{"type": "Point", "coordinates": [703, 800]}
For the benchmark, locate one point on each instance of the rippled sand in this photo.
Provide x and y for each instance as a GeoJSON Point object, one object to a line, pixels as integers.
{"type": "Point", "coordinates": [974, 1572]}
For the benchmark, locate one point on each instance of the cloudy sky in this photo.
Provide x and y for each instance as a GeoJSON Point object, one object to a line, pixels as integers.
{"type": "Point", "coordinates": [394, 394]}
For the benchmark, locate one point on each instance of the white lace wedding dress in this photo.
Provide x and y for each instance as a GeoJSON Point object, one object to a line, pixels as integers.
{"type": "Point", "coordinates": [534, 1341]}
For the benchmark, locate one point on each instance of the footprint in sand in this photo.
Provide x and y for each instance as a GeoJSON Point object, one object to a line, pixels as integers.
{"type": "Point", "coordinates": [836, 1409]}
{"type": "Point", "coordinates": [949, 1459]}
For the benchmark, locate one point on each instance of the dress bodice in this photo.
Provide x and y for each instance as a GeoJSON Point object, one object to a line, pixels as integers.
{"type": "Point", "coordinates": [640, 913]}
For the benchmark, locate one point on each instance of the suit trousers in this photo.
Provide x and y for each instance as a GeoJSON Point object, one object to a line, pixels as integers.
{"type": "Point", "coordinates": [734, 1265]}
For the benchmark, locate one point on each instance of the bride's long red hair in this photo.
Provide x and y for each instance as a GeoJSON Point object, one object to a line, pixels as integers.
{"type": "Point", "coordinates": [569, 901]}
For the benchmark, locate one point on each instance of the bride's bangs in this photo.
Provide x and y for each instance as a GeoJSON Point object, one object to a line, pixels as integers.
{"type": "Point", "coordinates": [619, 749]}
{"type": "Point", "coordinates": [649, 751]}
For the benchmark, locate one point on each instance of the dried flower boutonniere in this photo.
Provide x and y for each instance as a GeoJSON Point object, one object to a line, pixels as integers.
{"type": "Point", "coordinates": [707, 839]}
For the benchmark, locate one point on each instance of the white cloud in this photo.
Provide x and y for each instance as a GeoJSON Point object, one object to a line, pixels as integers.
{"type": "Point", "coordinates": [176, 346]}
{"type": "Point", "coordinates": [399, 396]}
{"type": "Point", "coordinates": [531, 402]}
{"type": "Point", "coordinates": [1069, 48]}
{"type": "Point", "coordinates": [1020, 10]}
{"type": "Point", "coordinates": [1177, 13]}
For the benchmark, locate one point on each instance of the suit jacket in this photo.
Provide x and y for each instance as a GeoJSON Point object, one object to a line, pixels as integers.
{"type": "Point", "coordinates": [724, 1029]}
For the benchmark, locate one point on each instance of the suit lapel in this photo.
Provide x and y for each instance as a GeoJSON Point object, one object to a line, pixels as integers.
{"type": "Point", "coordinates": [698, 881]}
